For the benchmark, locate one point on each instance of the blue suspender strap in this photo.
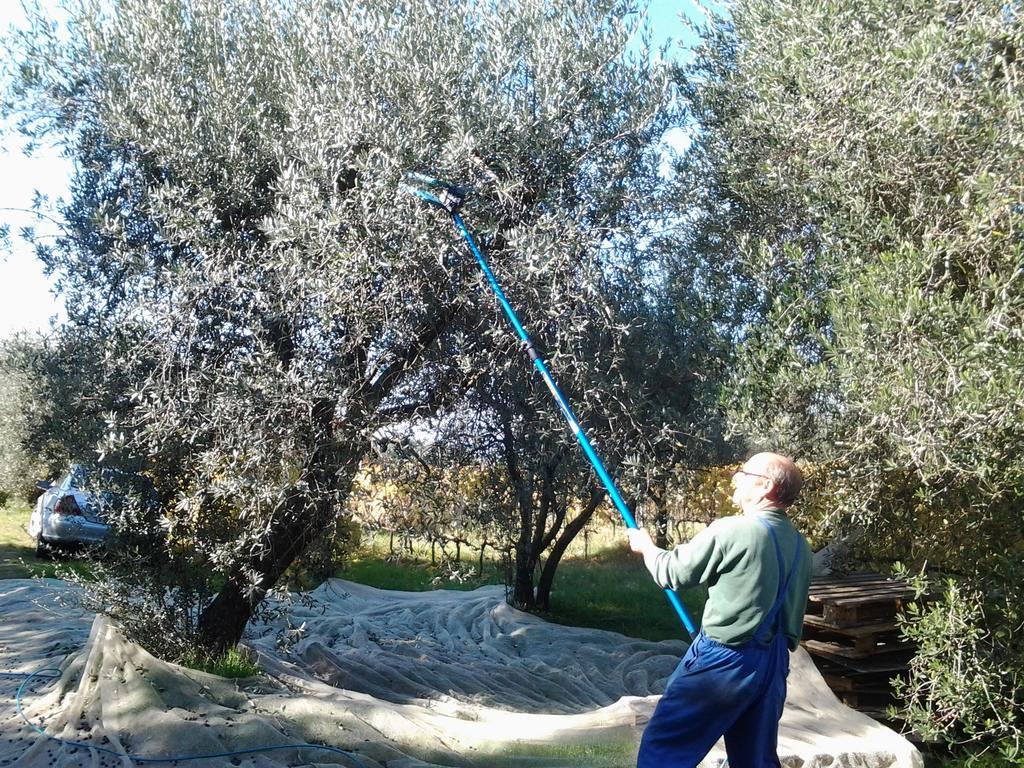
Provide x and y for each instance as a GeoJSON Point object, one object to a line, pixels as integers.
{"type": "Point", "coordinates": [768, 623]}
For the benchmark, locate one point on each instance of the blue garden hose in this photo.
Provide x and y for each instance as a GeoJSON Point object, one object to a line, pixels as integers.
{"type": "Point", "coordinates": [50, 674]}
{"type": "Point", "coordinates": [450, 198]}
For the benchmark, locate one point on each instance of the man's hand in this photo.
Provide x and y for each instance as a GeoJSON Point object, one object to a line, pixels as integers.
{"type": "Point", "coordinates": [640, 541]}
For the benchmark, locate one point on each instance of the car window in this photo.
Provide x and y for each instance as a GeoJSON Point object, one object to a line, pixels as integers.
{"type": "Point", "coordinates": [65, 482]}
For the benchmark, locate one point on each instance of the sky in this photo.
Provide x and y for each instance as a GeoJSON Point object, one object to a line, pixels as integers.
{"type": "Point", "coordinates": [27, 299]}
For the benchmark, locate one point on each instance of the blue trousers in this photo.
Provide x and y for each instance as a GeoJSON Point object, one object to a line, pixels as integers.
{"type": "Point", "coordinates": [716, 690]}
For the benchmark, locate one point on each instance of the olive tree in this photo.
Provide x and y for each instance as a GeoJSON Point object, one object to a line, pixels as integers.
{"type": "Point", "coordinates": [638, 357]}
{"type": "Point", "coordinates": [868, 158]}
{"type": "Point", "coordinates": [17, 465]}
{"type": "Point", "coordinates": [274, 299]}
{"type": "Point", "coordinates": [54, 397]}
{"type": "Point", "coordinates": [635, 396]}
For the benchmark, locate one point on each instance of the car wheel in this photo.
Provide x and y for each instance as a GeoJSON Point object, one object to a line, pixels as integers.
{"type": "Point", "coordinates": [43, 550]}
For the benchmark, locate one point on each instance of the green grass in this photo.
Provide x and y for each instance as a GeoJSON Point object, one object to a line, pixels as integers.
{"type": "Point", "coordinates": [233, 664]}
{"type": "Point", "coordinates": [17, 550]}
{"type": "Point", "coordinates": [620, 755]}
{"type": "Point", "coordinates": [413, 574]}
{"type": "Point", "coordinates": [613, 590]}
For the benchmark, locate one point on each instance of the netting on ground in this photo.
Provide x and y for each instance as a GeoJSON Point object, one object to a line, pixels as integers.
{"type": "Point", "coordinates": [399, 679]}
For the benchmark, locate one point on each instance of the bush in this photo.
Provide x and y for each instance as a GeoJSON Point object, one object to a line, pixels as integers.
{"type": "Point", "coordinates": [966, 679]}
{"type": "Point", "coordinates": [862, 166]}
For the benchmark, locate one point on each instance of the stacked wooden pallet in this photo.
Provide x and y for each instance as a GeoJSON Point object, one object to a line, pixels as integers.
{"type": "Point", "coordinates": [850, 631]}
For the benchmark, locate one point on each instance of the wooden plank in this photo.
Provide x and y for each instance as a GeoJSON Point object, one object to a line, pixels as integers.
{"type": "Point", "coordinates": [847, 615]}
{"type": "Point", "coordinates": [874, 645]}
{"type": "Point", "coordinates": [874, 666]}
{"type": "Point", "coordinates": [880, 593]}
{"type": "Point", "coordinates": [870, 677]}
{"type": "Point", "coordinates": [829, 667]}
{"type": "Point", "coordinates": [865, 595]}
{"type": "Point", "coordinates": [846, 582]}
{"type": "Point", "coordinates": [816, 607]}
{"type": "Point", "coordinates": [879, 629]}
{"type": "Point", "coordinates": [879, 683]}
{"type": "Point", "coordinates": [847, 578]}
{"type": "Point", "coordinates": [888, 662]}
{"type": "Point", "coordinates": [861, 630]}
{"type": "Point", "coordinates": [870, 598]}
{"type": "Point", "coordinates": [847, 652]}
{"type": "Point", "coordinates": [857, 584]}
{"type": "Point", "coordinates": [862, 581]}
{"type": "Point", "coordinates": [872, 581]}
{"type": "Point", "coordinates": [859, 608]}
{"type": "Point", "coordinates": [880, 639]}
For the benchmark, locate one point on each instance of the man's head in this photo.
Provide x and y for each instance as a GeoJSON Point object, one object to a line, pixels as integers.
{"type": "Point", "coordinates": [765, 481]}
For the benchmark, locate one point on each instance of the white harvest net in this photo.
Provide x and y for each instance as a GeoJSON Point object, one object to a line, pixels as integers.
{"type": "Point", "coordinates": [397, 679]}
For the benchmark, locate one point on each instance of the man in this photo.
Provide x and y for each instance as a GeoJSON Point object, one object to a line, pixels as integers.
{"type": "Point", "coordinates": [732, 680]}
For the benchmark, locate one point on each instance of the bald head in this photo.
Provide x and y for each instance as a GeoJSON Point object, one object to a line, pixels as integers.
{"type": "Point", "coordinates": [786, 477]}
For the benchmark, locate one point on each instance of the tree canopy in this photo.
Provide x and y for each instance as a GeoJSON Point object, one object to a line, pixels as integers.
{"type": "Point", "coordinates": [241, 255]}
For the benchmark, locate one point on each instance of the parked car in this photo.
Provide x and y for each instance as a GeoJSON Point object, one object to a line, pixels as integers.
{"type": "Point", "coordinates": [69, 514]}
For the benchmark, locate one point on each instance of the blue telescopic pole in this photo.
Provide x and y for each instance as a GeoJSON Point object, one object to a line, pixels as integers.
{"type": "Point", "coordinates": [538, 363]}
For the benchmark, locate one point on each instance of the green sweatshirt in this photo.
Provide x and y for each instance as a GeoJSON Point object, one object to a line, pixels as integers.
{"type": "Point", "coordinates": [735, 557]}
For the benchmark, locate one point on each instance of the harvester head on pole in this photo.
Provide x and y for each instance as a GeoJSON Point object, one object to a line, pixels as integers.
{"type": "Point", "coordinates": [435, 192]}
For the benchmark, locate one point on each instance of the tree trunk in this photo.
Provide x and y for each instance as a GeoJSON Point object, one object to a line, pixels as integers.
{"type": "Point", "coordinates": [661, 523]}
{"type": "Point", "coordinates": [300, 521]}
{"type": "Point", "coordinates": [547, 574]}
{"type": "Point", "coordinates": [525, 557]}
{"type": "Point", "coordinates": [525, 552]}
{"type": "Point", "coordinates": [222, 623]}
{"type": "Point", "coordinates": [525, 564]}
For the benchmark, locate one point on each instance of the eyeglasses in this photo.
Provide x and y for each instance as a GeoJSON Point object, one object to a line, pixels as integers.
{"type": "Point", "coordinates": [751, 474]}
